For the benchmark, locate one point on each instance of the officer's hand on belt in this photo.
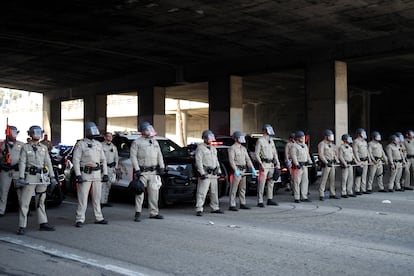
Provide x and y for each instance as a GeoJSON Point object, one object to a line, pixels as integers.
{"type": "Point", "coordinates": [22, 182]}
{"type": "Point", "coordinates": [105, 178]}
{"type": "Point", "coordinates": [237, 173]}
{"type": "Point", "coordinates": [53, 183]}
{"type": "Point", "coordinates": [329, 163]}
{"type": "Point", "coordinates": [392, 166]}
{"type": "Point", "coordinates": [298, 166]}
{"type": "Point", "coordinates": [137, 174]}
{"type": "Point", "coordinates": [161, 171]}
{"type": "Point", "coordinates": [254, 173]}
{"type": "Point", "coordinates": [79, 179]}
{"type": "Point", "coordinates": [203, 177]}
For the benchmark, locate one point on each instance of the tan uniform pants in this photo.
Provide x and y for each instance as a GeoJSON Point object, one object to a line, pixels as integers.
{"type": "Point", "coordinates": [347, 181]}
{"type": "Point", "coordinates": [378, 171]}
{"type": "Point", "coordinates": [106, 187]}
{"type": "Point", "coordinates": [5, 182]}
{"type": "Point", "coordinates": [265, 178]}
{"type": "Point", "coordinates": [26, 194]}
{"type": "Point", "coordinates": [408, 172]}
{"type": "Point", "coordinates": [395, 177]}
{"type": "Point", "coordinates": [300, 183]}
{"type": "Point", "coordinates": [202, 188]}
{"type": "Point", "coordinates": [152, 182]}
{"type": "Point", "coordinates": [238, 182]}
{"type": "Point", "coordinates": [83, 192]}
{"type": "Point", "coordinates": [361, 181]}
{"type": "Point", "coordinates": [328, 174]}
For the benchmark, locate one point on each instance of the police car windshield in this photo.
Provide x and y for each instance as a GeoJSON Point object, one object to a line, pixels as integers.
{"type": "Point", "coordinates": [171, 149]}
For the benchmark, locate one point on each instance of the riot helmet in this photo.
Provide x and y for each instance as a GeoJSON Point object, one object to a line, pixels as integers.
{"type": "Point", "coordinates": [268, 129]}
{"type": "Point", "coordinates": [147, 129]}
{"type": "Point", "coordinates": [362, 133]}
{"type": "Point", "coordinates": [291, 136]}
{"type": "Point", "coordinates": [376, 136]}
{"type": "Point", "coordinates": [35, 132]}
{"type": "Point", "coordinates": [410, 134]}
{"type": "Point", "coordinates": [394, 139]}
{"type": "Point", "coordinates": [239, 137]}
{"type": "Point", "coordinates": [329, 134]}
{"type": "Point", "coordinates": [91, 130]}
{"type": "Point", "coordinates": [400, 136]}
{"type": "Point", "coordinates": [11, 132]}
{"type": "Point", "coordinates": [208, 136]}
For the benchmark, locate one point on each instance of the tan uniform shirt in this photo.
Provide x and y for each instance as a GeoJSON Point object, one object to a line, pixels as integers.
{"type": "Point", "coordinates": [238, 156]}
{"type": "Point", "coordinates": [288, 148]}
{"type": "Point", "coordinates": [376, 151]}
{"type": "Point", "coordinates": [409, 145]}
{"type": "Point", "coordinates": [15, 152]}
{"type": "Point", "coordinates": [394, 153]}
{"type": "Point", "coordinates": [300, 154]}
{"type": "Point", "coordinates": [266, 149]}
{"type": "Point", "coordinates": [360, 147]}
{"type": "Point", "coordinates": [206, 157]}
{"type": "Point", "coordinates": [327, 151]}
{"type": "Point", "coordinates": [145, 153]}
{"type": "Point", "coordinates": [111, 153]}
{"type": "Point", "coordinates": [345, 154]}
{"type": "Point", "coordinates": [34, 155]}
{"type": "Point", "coordinates": [89, 153]}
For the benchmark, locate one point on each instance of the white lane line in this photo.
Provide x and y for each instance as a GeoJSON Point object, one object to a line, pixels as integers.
{"type": "Point", "coordinates": [73, 257]}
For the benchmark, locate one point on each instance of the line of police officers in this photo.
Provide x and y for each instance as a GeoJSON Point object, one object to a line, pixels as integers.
{"type": "Point", "coordinates": [95, 166]}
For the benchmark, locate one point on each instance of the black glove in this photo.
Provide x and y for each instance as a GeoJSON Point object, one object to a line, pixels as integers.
{"type": "Point", "coordinates": [298, 166]}
{"type": "Point", "coordinates": [161, 171]}
{"type": "Point", "coordinates": [105, 178]}
{"type": "Point", "coordinates": [353, 162]}
{"type": "Point", "coordinates": [329, 164]}
{"type": "Point", "coordinates": [203, 177]}
{"type": "Point", "coordinates": [79, 179]}
{"type": "Point", "coordinates": [53, 183]}
{"type": "Point", "coordinates": [137, 174]}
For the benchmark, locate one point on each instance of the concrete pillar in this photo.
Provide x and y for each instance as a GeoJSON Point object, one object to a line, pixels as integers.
{"type": "Point", "coordinates": [181, 125]}
{"type": "Point", "coordinates": [225, 95]}
{"type": "Point", "coordinates": [55, 121]}
{"type": "Point", "coordinates": [151, 108]}
{"type": "Point", "coordinates": [326, 100]}
{"type": "Point", "coordinates": [95, 111]}
{"type": "Point", "coordinates": [47, 127]}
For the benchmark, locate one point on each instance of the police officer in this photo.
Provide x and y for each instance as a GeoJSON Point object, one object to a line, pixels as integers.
{"type": "Point", "coordinates": [409, 167]}
{"type": "Point", "coordinates": [328, 155]}
{"type": "Point", "coordinates": [300, 160]}
{"type": "Point", "coordinates": [35, 173]}
{"type": "Point", "coordinates": [88, 161]}
{"type": "Point", "coordinates": [10, 150]}
{"type": "Point", "coordinates": [148, 163]}
{"type": "Point", "coordinates": [347, 159]}
{"type": "Point", "coordinates": [395, 159]}
{"type": "Point", "coordinates": [288, 158]}
{"type": "Point", "coordinates": [111, 156]}
{"type": "Point", "coordinates": [266, 156]}
{"type": "Point", "coordinates": [360, 147]}
{"type": "Point", "coordinates": [239, 161]}
{"type": "Point", "coordinates": [379, 158]}
{"type": "Point", "coordinates": [208, 168]}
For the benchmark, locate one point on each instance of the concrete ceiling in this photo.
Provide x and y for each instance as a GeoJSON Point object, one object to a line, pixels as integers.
{"type": "Point", "coordinates": [52, 45]}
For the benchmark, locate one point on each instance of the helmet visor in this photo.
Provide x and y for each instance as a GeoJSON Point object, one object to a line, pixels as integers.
{"type": "Point", "coordinates": [241, 139]}
{"type": "Point", "coordinates": [149, 131]}
{"type": "Point", "coordinates": [270, 130]}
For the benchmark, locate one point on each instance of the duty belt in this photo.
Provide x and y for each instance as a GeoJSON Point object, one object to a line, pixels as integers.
{"type": "Point", "coordinates": [34, 170]}
{"type": "Point", "coordinates": [398, 161]}
{"type": "Point", "coordinates": [410, 156]}
{"type": "Point", "coordinates": [210, 170]}
{"type": "Point", "coordinates": [89, 170]}
{"type": "Point", "coordinates": [148, 169]}
{"type": "Point", "coordinates": [111, 165]}
{"type": "Point", "coordinates": [7, 168]}
{"type": "Point", "coordinates": [303, 163]}
{"type": "Point", "coordinates": [377, 158]}
{"type": "Point", "coordinates": [349, 162]}
{"type": "Point", "coordinates": [364, 159]}
{"type": "Point", "coordinates": [267, 160]}
{"type": "Point", "coordinates": [241, 167]}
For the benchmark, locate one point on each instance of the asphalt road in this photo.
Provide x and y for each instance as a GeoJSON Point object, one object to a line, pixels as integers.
{"type": "Point", "coordinates": [355, 236]}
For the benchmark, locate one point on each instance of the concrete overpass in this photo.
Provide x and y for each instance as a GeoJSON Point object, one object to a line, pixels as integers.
{"type": "Point", "coordinates": [295, 64]}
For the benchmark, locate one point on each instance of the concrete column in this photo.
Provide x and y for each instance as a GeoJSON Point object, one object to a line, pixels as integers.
{"type": "Point", "coordinates": [326, 100]}
{"type": "Point", "coordinates": [95, 111]}
{"type": "Point", "coordinates": [225, 95]}
{"type": "Point", "coordinates": [47, 127]}
{"type": "Point", "coordinates": [151, 108]}
{"type": "Point", "coordinates": [181, 125]}
{"type": "Point", "coordinates": [55, 121]}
